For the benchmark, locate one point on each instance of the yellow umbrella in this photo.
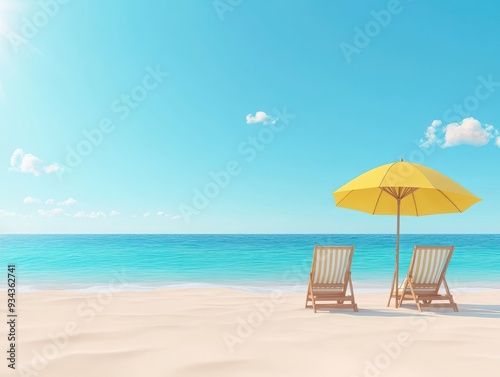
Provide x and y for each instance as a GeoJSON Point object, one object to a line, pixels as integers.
{"type": "Point", "coordinates": [403, 188]}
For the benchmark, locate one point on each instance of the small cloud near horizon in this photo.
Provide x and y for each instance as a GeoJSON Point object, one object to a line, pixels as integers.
{"type": "Point", "coordinates": [4, 213]}
{"type": "Point", "coordinates": [31, 200]}
{"type": "Point", "coordinates": [67, 202]}
{"type": "Point", "coordinates": [48, 202]}
{"type": "Point", "coordinates": [260, 117]}
{"type": "Point", "coordinates": [469, 131]}
{"type": "Point", "coordinates": [164, 214]}
{"type": "Point", "coordinates": [30, 164]}
{"type": "Point", "coordinates": [90, 215]}
{"type": "Point", "coordinates": [51, 213]}
{"type": "Point", "coordinates": [52, 168]}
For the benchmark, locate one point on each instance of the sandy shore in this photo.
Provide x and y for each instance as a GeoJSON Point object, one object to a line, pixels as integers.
{"type": "Point", "coordinates": [218, 332]}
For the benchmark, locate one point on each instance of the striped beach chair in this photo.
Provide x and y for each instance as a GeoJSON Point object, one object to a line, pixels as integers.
{"type": "Point", "coordinates": [330, 278]}
{"type": "Point", "coordinates": [426, 275]}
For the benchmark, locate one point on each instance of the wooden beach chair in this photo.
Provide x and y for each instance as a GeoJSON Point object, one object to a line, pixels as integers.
{"type": "Point", "coordinates": [330, 278]}
{"type": "Point", "coordinates": [426, 275]}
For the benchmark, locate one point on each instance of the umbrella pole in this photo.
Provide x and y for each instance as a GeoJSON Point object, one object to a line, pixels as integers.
{"type": "Point", "coordinates": [396, 280]}
{"type": "Point", "coordinates": [394, 285]}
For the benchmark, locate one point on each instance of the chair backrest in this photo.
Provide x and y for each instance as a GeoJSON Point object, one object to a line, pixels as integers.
{"type": "Point", "coordinates": [429, 264]}
{"type": "Point", "coordinates": [331, 264]}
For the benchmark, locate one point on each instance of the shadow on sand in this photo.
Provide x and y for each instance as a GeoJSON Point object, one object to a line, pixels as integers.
{"type": "Point", "coordinates": [408, 310]}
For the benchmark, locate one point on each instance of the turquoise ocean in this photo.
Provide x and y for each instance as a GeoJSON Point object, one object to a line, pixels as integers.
{"type": "Point", "coordinates": [249, 262]}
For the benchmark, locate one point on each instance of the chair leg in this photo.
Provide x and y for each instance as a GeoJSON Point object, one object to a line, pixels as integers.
{"type": "Point", "coordinates": [418, 305]}
{"type": "Point", "coordinates": [392, 290]}
{"type": "Point", "coordinates": [415, 297]}
{"type": "Point", "coordinates": [452, 302]}
{"type": "Point", "coordinates": [402, 296]}
{"type": "Point", "coordinates": [352, 294]}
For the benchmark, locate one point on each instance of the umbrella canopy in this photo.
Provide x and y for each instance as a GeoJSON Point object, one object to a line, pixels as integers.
{"type": "Point", "coordinates": [404, 188]}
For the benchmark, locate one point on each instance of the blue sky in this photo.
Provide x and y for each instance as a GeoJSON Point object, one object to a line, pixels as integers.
{"type": "Point", "coordinates": [115, 118]}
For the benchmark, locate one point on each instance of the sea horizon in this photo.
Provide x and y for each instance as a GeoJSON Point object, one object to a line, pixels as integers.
{"type": "Point", "coordinates": [252, 262]}
{"type": "Point", "coordinates": [238, 233]}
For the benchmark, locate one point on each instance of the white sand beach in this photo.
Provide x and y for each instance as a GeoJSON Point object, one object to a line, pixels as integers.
{"type": "Point", "coordinates": [221, 332]}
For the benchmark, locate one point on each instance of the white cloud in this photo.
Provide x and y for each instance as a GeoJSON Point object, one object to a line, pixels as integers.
{"type": "Point", "coordinates": [30, 164]}
{"type": "Point", "coordinates": [176, 217]}
{"type": "Point", "coordinates": [16, 156]}
{"type": "Point", "coordinates": [114, 213]}
{"type": "Point", "coordinates": [147, 214]}
{"type": "Point", "coordinates": [91, 215]}
{"type": "Point", "coordinates": [4, 213]}
{"type": "Point", "coordinates": [49, 202]}
{"type": "Point", "coordinates": [430, 134]}
{"type": "Point", "coordinates": [160, 213]}
{"type": "Point", "coordinates": [260, 117]}
{"type": "Point", "coordinates": [497, 141]}
{"type": "Point", "coordinates": [469, 131]}
{"type": "Point", "coordinates": [31, 200]}
{"type": "Point", "coordinates": [67, 202]}
{"type": "Point", "coordinates": [51, 213]}
{"type": "Point", "coordinates": [25, 162]}
{"type": "Point", "coordinates": [52, 168]}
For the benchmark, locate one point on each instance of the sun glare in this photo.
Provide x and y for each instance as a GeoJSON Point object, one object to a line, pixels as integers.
{"type": "Point", "coordinates": [5, 7]}
{"type": "Point", "coordinates": [9, 11]}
